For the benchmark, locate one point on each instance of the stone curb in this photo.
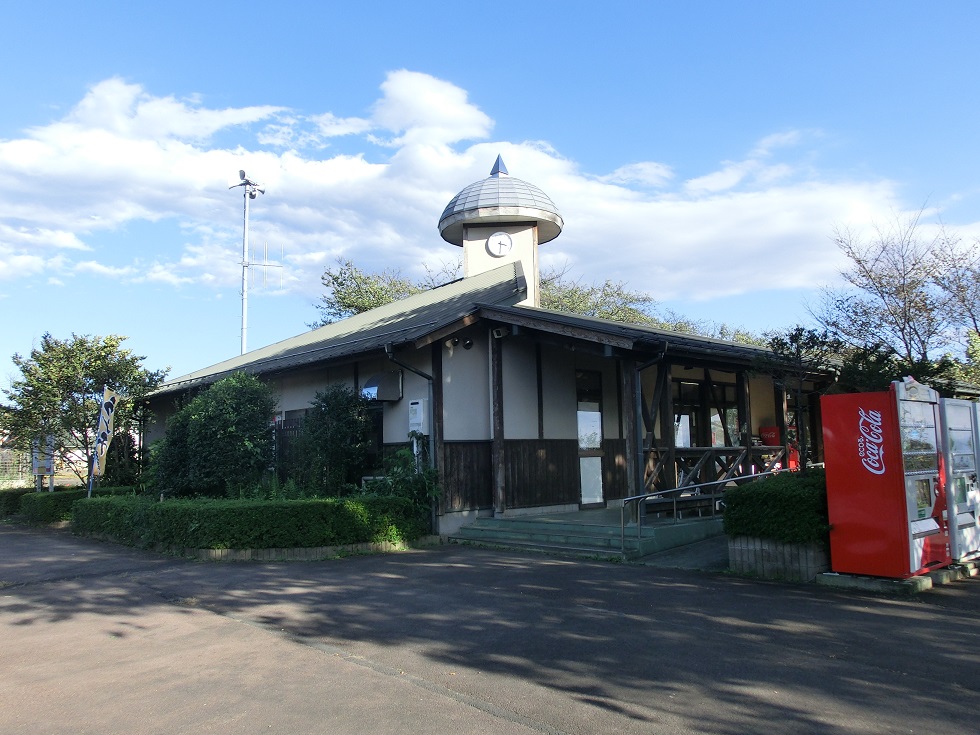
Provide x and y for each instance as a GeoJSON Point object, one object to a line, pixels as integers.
{"type": "Point", "coordinates": [312, 553]}
{"type": "Point", "coordinates": [910, 586]}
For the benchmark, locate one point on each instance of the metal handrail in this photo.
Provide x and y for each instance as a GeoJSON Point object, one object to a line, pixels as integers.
{"type": "Point", "coordinates": [678, 491]}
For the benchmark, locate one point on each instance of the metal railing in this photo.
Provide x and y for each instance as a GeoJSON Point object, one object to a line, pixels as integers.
{"type": "Point", "coordinates": [683, 494]}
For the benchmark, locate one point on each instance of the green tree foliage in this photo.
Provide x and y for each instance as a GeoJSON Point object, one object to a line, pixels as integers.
{"type": "Point", "coordinates": [606, 300]}
{"type": "Point", "coordinates": [958, 275]}
{"type": "Point", "coordinates": [350, 290]}
{"type": "Point", "coordinates": [333, 445]}
{"type": "Point", "coordinates": [874, 367]}
{"type": "Point", "coordinates": [220, 443]}
{"type": "Point", "coordinates": [894, 300]}
{"type": "Point", "coordinates": [60, 388]}
{"type": "Point", "coordinates": [801, 361]}
{"type": "Point", "coordinates": [615, 301]}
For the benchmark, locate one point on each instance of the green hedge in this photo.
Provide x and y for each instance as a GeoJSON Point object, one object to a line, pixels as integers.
{"type": "Point", "coordinates": [45, 507]}
{"type": "Point", "coordinates": [247, 524]}
{"type": "Point", "coordinates": [10, 499]}
{"type": "Point", "coordinates": [790, 507]}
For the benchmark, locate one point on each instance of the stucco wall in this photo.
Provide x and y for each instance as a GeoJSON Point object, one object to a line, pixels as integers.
{"type": "Point", "coordinates": [298, 390]}
{"type": "Point", "coordinates": [558, 393]}
{"type": "Point", "coordinates": [466, 387]}
{"type": "Point", "coordinates": [476, 259]}
{"type": "Point", "coordinates": [520, 376]}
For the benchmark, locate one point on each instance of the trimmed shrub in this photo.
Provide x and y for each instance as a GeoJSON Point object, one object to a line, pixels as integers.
{"type": "Point", "coordinates": [790, 507]}
{"type": "Point", "coordinates": [248, 524]}
{"type": "Point", "coordinates": [10, 499]}
{"type": "Point", "coordinates": [45, 507]}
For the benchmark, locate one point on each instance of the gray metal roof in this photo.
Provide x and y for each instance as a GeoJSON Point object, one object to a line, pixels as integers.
{"type": "Point", "coordinates": [421, 318]}
{"type": "Point", "coordinates": [500, 198]}
{"type": "Point", "coordinates": [397, 323]}
{"type": "Point", "coordinates": [622, 334]}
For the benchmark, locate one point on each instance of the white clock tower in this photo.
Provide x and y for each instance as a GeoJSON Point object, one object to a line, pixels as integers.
{"type": "Point", "coordinates": [501, 220]}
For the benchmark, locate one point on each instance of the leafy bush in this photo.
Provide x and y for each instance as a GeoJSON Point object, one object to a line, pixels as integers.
{"type": "Point", "coordinates": [790, 507]}
{"type": "Point", "coordinates": [168, 471]}
{"type": "Point", "coordinates": [248, 524]}
{"type": "Point", "coordinates": [10, 499]}
{"type": "Point", "coordinates": [220, 443]}
{"type": "Point", "coordinates": [331, 451]}
{"type": "Point", "coordinates": [122, 465]}
{"type": "Point", "coordinates": [45, 507]}
{"type": "Point", "coordinates": [407, 476]}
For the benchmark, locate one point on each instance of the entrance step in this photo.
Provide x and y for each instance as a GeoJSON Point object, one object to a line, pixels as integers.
{"type": "Point", "coordinates": [564, 534]}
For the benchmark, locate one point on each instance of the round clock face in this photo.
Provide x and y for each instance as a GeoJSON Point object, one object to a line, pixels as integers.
{"type": "Point", "coordinates": [499, 244]}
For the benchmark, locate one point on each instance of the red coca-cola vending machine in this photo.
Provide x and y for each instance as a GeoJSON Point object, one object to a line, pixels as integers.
{"type": "Point", "coordinates": [885, 481]}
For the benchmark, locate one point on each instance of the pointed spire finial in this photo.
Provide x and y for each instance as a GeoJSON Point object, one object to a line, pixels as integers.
{"type": "Point", "coordinates": [499, 167]}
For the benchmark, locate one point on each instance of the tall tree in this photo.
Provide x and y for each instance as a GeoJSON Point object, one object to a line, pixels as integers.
{"type": "Point", "coordinates": [350, 290]}
{"type": "Point", "coordinates": [59, 390]}
{"type": "Point", "coordinates": [958, 275]}
{"type": "Point", "coordinates": [607, 300]}
{"type": "Point", "coordinates": [894, 300]}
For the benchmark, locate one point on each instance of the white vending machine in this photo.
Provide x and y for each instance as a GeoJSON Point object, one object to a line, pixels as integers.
{"type": "Point", "coordinates": [961, 450]}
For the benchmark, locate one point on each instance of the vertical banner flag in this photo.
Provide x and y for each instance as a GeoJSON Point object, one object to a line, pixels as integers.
{"type": "Point", "coordinates": [103, 434]}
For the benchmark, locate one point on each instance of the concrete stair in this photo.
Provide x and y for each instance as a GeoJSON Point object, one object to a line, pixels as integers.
{"type": "Point", "coordinates": [586, 536]}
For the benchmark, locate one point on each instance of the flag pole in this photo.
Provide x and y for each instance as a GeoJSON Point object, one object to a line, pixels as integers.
{"type": "Point", "coordinates": [95, 445]}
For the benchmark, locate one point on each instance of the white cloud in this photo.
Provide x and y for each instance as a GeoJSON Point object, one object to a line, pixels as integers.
{"type": "Point", "coordinates": [125, 156]}
{"type": "Point", "coordinates": [428, 111]}
{"type": "Point", "coordinates": [727, 178]}
{"type": "Point", "coordinates": [125, 110]}
{"type": "Point", "coordinates": [647, 173]}
{"type": "Point", "coordinates": [99, 269]}
{"type": "Point", "coordinates": [331, 126]}
{"type": "Point", "coordinates": [39, 237]}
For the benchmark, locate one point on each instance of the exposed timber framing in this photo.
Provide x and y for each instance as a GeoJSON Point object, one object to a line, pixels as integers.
{"type": "Point", "coordinates": [497, 420]}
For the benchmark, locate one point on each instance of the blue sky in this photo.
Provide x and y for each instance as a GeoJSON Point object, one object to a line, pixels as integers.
{"type": "Point", "coordinates": [703, 152]}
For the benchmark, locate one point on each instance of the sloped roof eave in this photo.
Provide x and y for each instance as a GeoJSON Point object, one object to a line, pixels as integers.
{"type": "Point", "coordinates": [403, 322]}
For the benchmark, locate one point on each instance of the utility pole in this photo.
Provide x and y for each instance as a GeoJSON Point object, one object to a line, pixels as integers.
{"type": "Point", "coordinates": [250, 190]}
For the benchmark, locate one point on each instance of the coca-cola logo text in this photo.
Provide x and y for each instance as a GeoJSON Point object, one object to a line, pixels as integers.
{"type": "Point", "coordinates": [871, 441]}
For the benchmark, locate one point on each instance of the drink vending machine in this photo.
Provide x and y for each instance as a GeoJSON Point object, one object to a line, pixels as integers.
{"type": "Point", "coordinates": [961, 445]}
{"type": "Point", "coordinates": [886, 481]}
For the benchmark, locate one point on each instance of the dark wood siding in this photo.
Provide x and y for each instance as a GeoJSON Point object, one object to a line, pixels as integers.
{"type": "Point", "coordinates": [615, 477]}
{"type": "Point", "coordinates": [538, 472]}
{"type": "Point", "coordinates": [467, 481]}
{"type": "Point", "coordinates": [287, 435]}
{"type": "Point", "coordinates": [541, 472]}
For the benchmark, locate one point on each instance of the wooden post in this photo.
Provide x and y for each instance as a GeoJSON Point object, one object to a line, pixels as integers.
{"type": "Point", "coordinates": [630, 423]}
{"type": "Point", "coordinates": [744, 403]}
{"type": "Point", "coordinates": [667, 428]}
{"type": "Point", "coordinates": [437, 415]}
{"type": "Point", "coordinates": [497, 411]}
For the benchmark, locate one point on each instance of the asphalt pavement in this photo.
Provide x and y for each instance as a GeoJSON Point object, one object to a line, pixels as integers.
{"type": "Point", "coordinates": [99, 638]}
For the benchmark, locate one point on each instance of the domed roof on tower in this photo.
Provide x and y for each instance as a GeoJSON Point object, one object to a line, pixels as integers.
{"type": "Point", "coordinates": [500, 198]}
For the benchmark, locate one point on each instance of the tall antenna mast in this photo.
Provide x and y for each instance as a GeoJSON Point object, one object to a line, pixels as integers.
{"type": "Point", "coordinates": [250, 190]}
